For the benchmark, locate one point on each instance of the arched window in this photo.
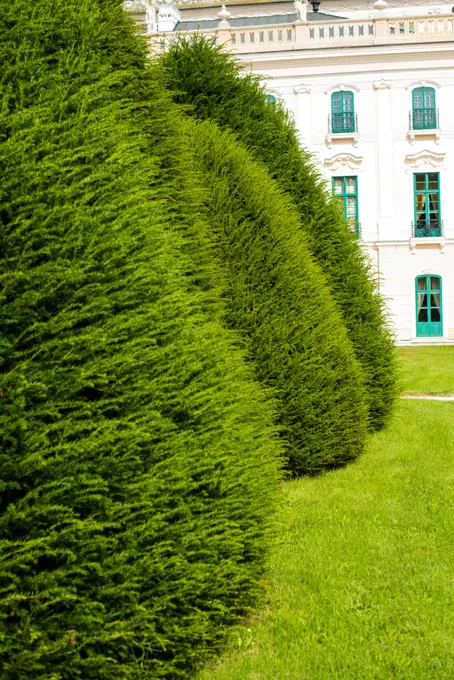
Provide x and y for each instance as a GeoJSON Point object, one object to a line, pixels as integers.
{"type": "Point", "coordinates": [424, 112]}
{"type": "Point", "coordinates": [429, 321]}
{"type": "Point", "coordinates": [270, 98]}
{"type": "Point", "coordinates": [343, 112]}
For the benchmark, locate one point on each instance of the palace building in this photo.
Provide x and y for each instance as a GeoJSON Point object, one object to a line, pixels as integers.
{"type": "Point", "coordinates": [371, 88]}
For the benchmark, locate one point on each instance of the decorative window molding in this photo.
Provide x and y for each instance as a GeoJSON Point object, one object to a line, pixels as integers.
{"type": "Point", "coordinates": [423, 119]}
{"type": "Point", "coordinates": [381, 84]}
{"type": "Point", "coordinates": [342, 136]}
{"type": "Point", "coordinates": [341, 88]}
{"type": "Point", "coordinates": [434, 132]}
{"type": "Point", "coordinates": [343, 160]}
{"type": "Point", "coordinates": [422, 242]}
{"type": "Point", "coordinates": [429, 306]}
{"type": "Point", "coordinates": [342, 121]}
{"type": "Point", "coordinates": [302, 89]}
{"type": "Point", "coordinates": [423, 83]}
{"type": "Point", "coordinates": [425, 159]}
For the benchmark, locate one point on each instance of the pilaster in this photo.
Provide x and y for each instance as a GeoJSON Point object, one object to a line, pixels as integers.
{"type": "Point", "coordinates": [385, 159]}
{"type": "Point", "coordinates": [303, 111]}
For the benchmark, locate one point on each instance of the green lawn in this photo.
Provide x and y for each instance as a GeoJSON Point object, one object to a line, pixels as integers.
{"type": "Point", "coordinates": [361, 579]}
{"type": "Point", "coordinates": [428, 370]}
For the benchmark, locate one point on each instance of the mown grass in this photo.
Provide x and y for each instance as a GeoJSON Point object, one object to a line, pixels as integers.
{"type": "Point", "coordinates": [427, 370]}
{"type": "Point", "coordinates": [362, 572]}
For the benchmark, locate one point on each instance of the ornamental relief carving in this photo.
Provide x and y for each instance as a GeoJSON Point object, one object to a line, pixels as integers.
{"type": "Point", "coordinates": [425, 158]}
{"type": "Point", "coordinates": [341, 88]}
{"type": "Point", "coordinates": [381, 85]}
{"type": "Point", "coordinates": [343, 160]}
{"type": "Point", "coordinates": [302, 89]}
{"type": "Point", "coordinates": [423, 83]}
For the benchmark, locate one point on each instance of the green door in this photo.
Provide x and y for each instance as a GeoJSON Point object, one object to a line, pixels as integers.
{"type": "Point", "coordinates": [429, 322]}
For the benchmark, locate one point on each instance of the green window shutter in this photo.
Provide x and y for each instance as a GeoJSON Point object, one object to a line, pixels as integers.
{"type": "Point", "coordinates": [424, 112]}
{"type": "Point", "coordinates": [427, 210]}
{"type": "Point", "coordinates": [345, 189]}
{"type": "Point", "coordinates": [343, 112]}
{"type": "Point", "coordinates": [429, 306]}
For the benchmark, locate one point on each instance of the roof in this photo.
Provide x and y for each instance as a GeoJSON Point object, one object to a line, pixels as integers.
{"type": "Point", "coordinates": [321, 16]}
{"type": "Point", "coordinates": [245, 22]}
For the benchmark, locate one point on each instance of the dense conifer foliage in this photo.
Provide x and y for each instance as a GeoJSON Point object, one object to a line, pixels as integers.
{"type": "Point", "coordinates": [278, 298]}
{"type": "Point", "coordinates": [137, 458]}
{"type": "Point", "coordinates": [217, 87]}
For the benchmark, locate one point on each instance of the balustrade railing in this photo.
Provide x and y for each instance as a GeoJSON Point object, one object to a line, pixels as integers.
{"type": "Point", "coordinates": [424, 119]}
{"type": "Point", "coordinates": [424, 228]}
{"type": "Point", "coordinates": [341, 30]}
{"type": "Point", "coordinates": [317, 34]}
{"type": "Point", "coordinates": [343, 122]}
{"type": "Point", "coordinates": [262, 36]}
{"type": "Point", "coordinates": [421, 26]}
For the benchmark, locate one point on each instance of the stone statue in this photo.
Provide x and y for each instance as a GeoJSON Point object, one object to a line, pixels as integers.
{"type": "Point", "coordinates": [151, 18]}
{"type": "Point", "coordinates": [301, 10]}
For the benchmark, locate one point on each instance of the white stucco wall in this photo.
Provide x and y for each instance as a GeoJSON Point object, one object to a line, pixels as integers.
{"type": "Point", "coordinates": [384, 157]}
{"type": "Point", "coordinates": [380, 55]}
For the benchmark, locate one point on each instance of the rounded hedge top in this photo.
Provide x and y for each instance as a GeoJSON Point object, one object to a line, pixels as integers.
{"type": "Point", "coordinates": [132, 516]}
{"type": "Point", "coordinates": [277, 296]}
{"type": "Point", "coordinates": [215, 86]}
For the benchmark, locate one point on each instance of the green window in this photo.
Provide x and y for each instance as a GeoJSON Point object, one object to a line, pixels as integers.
{"type": "Point", "coordinates": [270, 98]}
{"type": "Point", "coordinates": [342, 112]}
{"type": "Point", "coordinates": [427, 204]}
{"type": "Point", "coordinates": [429, 322]}
{"type": "Point", "coordinates": [345, 189]}
{"type": "Point", "coordinates": [424, 113]}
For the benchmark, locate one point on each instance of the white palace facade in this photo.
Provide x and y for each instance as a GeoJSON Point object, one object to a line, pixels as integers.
{"type": "Point", "coordinates": [371, 88]}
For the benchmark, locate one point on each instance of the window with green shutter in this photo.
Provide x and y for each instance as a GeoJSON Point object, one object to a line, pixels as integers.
{"type": "Point", "coordinates": [429, 322]}
{"type": "Point", "coordinates": [427, 204]}
{"type": "Point", "coordinates": [342, 112]}
{"type": "Point", "coordinates": [345, 189]}
{"type": "Point", "coordinates": [424, 112]}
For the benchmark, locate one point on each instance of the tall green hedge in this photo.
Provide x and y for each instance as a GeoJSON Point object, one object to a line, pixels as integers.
{"type": "Point", "coordinates": [217, 87]}
{"type": "Point", "coordinates": [278, 298]}
{"type": "Point", "coordinates": [137, 457]}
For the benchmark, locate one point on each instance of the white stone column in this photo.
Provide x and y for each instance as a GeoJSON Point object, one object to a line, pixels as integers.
{"type": "Point", "coordinates": [384, 161]}
{"type": "Point", "coordinates": [303, 116]}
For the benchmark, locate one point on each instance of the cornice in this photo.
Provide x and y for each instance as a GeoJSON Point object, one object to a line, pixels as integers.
{"type": "Point", "coordinates": [364, 55]}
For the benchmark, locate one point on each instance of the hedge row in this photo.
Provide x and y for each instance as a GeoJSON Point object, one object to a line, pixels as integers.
{"type": "Point", "coordinates": [278, 299]}
{"type": "Point", "coordinates": [217, 87]}
{"type": "Point", "coordinates": [138, 459]}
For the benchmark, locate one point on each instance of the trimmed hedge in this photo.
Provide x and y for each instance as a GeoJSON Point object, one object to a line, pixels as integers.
{"type": "Point", "coordinates": [279, 300]}
{"type": "Point", "coordinates": [138, 462]}
{"type": "Point", "coordinates": [217, 87]}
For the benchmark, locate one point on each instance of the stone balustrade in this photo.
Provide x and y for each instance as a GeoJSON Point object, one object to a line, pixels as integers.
{"type": "Point", "coordinates": [318, 34]}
